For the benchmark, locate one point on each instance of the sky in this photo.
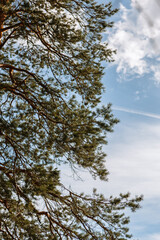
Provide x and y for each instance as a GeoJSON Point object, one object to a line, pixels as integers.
{"type": "Point", "coordinates": [133, 87]}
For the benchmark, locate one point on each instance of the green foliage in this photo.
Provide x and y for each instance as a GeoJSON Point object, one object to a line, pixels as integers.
{"type": "Point", "coordinates": [50, 87]}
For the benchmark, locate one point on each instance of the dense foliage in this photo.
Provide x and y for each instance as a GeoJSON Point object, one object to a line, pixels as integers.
{"type": "Point", "coordinates": [51, 54]}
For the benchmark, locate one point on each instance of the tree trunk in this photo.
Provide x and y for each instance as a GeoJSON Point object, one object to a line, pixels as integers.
{"type": "Point", "coordinates": [2, 17]}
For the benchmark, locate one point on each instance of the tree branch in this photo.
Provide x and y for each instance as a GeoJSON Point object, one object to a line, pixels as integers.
{"type": "Point", "coordinates": [10, 27]}
{"type": "Point", "coordinates": [2, 44]}
{"type": "Point", "coordinates": [4, 65]}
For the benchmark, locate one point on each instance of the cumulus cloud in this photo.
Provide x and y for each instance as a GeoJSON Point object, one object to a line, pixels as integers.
{"type": "Point", "coordinates": [136, 37]}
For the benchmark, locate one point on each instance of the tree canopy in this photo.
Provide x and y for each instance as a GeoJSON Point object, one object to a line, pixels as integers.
{"type": "Point", "coordinates": [51, 54]}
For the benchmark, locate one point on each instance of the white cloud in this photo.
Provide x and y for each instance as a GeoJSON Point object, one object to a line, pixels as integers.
{"type": "Point", "coordinates": [136, 37]}
{"type": "Point", "coordinates": [153, 237]}
{"type": "Point", "coordinates": [147, 114]}
{"type": "Point", "coordinates": [133, 162]}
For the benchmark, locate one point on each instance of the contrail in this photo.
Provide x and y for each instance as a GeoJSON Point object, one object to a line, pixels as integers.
{"type": "Point", "coordinates": [146, 114]}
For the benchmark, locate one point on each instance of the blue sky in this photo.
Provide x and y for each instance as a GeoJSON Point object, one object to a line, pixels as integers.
{"type": "Point", "coordinates": [133, 87]}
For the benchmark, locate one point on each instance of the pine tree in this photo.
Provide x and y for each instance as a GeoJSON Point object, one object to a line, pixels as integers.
{"type": "Point", "coordinates": [51, 54]}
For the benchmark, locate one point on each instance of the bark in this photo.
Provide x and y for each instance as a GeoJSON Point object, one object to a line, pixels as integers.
{"type": "Point", "coordinates": [2, 17]}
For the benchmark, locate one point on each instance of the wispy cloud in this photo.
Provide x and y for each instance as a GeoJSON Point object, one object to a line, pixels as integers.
{"type": "Point", "coordinates": [155, 236]}
{"type": "Point", "coordinates": [133, 162]}
{"type": "Point", "coordinates": [146, 114]}
{"type": "Point", "coordinates": [136, 38]}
